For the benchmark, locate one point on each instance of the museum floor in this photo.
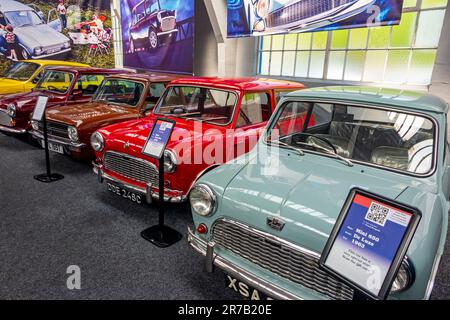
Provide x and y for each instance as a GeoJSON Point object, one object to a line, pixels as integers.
{"type": "Point", "coordinates": [47, 228]}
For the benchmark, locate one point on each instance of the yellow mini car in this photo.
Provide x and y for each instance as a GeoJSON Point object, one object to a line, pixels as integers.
{"type": "Point", "coordinates": [23, 76]}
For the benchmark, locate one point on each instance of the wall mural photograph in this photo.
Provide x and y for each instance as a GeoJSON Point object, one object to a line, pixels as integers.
{"type": "Point", "coordinates": [158, 35]}
{"type": "Point", "coordinates": [263, 17]}
{"type": "Point", "coordinates": [70, 30]}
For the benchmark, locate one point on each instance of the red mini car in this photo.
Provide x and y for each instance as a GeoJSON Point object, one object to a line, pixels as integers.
{"type": "Point", "coordinates": [63, 86]}
{"type": "Point", "coordinates": [217, 120]}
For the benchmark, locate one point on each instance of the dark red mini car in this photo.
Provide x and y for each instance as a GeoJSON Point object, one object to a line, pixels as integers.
{"type": "Point", "coordinates": [63, 86]}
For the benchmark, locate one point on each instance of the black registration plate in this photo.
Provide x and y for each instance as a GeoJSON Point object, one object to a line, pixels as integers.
{"type": "Point", "coordinates": [129, 195]}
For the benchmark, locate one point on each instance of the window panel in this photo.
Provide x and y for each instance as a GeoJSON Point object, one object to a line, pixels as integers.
{"type": "Point", "coordinates": [397, 66]}
{"type": "Point", "coordinates": [336, 65]}
{"type": "Point", "coordinates": [429, 29]}
{"type": "Point", "coordinates": [277, 42]}
{"type": "Point", "coordinates": [355, 65]}
{"type": "Point", "coordinates": [288, 63]}
{"type": "Point", "coordinates": [316, 64]}
{"type": "Point", "coordinates": [422, 63]}
{"type": "Point", "coordinates": [302, 64]}
{"type": "Point", "coordinates": [402, 35]}
{"type": "Point", "coordinates": [304, 41]}
{"type": "Point", "coordinates": [290, 41]}
{"type": "Point", "coordinates": [266, 43]}
{"type": "Point", "coordinates": [265, 63]}
{"type": "Point", "coordinates": [409, 3]}
{"type": "Point", "coordinates": [320, 40]}
{"type": "Point", "coordinates": [339, 39]}
{"type": "Point", "coordinates": [358, 38]}
{"type": "Point", "coordinates": [426, 4]}
{"type": "Point", "coordinates": [375, 65]}
{"type": "Point", "coordinates": [379, 37]}
{"type": "Point", "coordinates": [275, 63]}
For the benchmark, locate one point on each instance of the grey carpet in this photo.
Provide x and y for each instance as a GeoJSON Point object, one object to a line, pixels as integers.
{"type": "Point", "coordinates": [46, 228]}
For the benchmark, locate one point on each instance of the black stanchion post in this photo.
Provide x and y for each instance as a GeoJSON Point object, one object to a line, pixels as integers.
{"type": "Point", "coordinates": [160, 235]}
{"type": "Point", "coordinates": [39, 115]}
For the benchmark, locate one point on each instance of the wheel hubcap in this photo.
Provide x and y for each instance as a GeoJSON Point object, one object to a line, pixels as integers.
{"type": "Point", "coordinates": [153, 39]}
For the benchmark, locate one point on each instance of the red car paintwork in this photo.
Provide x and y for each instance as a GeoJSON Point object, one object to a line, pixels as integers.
{"type": "Point", "coordinates": [26, 102]}
{"type": "Point", "coordinates": [128, 138]}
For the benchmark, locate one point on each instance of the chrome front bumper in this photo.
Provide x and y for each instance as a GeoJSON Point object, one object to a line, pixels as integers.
{"type": "Point", "coordinates": [149, 193]}
{"type": "Point", "coordinates": [65, 142]}
{"type": "Point", "coordinates": [212, 259]}
{"type": "Point", "coordinates": [12, 130]}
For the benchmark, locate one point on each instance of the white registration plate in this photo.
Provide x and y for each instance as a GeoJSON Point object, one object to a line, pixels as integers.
{"type": "Point", "coordinates": [53, 147]}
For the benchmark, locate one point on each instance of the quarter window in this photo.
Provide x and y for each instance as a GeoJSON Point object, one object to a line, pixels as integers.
{"type": "Point", "coordinates": [255, 109]}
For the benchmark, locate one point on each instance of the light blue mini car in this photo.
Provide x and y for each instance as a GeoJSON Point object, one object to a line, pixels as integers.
{"type": "Point", "coordinates": [265, 218]}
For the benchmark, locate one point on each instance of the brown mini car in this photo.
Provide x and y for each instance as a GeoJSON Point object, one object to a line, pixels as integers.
{"type": "Point", "coordinates": [119, 98]}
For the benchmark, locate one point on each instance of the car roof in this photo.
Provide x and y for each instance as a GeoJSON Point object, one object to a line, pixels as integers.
{"type": "Point", "coordinates": [152, 77]}
{"type": "Point", "coordinates": [87, 70]}
{"type": "Point", "coordinates": [244, 84]}
{"type": "Point", "coordinates": [405, 99]}
{"type": "Point", "coordinates": [56, 63]}
{"type": "Point", "coordinates": [10, 5]}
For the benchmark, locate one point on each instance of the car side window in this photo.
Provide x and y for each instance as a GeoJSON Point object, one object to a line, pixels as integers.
{"type": "Point", "coordinates": [88, 84]}
{"type": "Point", "coordinates": [2, 19]}
{"type": "Point", "coordinates": [255, 109]}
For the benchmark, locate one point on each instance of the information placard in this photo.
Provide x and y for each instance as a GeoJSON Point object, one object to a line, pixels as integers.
{"type": "Point", "coordinates": [158, 138]}
{"type": "Point", "coordinates": [369, 242]}
{"type": "Point", "coordinates": [39, 110]}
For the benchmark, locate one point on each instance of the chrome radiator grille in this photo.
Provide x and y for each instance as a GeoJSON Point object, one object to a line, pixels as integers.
{"type": "Point", "coordinates": [303, 9]}
{"type": "Point", "coordinates": [132, 168]}
{"type": "Point", "coordinates": [5, 119]}
{"type": "Point", "coordinates": [168, 24]}
{"type": "Point", "coordinates": [55, 129]}
{"type": "Point", "coordinates": [287, 261]}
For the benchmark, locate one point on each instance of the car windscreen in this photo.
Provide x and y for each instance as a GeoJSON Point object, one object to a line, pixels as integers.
{"type": "Point", "coordinates": [198, 103]}
{"type": "Point", "coordinates": [119, 91]}
{"type": "Point", "coordinates": [24, 18]}
{"type": "Point", "coordinates": [56, 81]}
{"type": "Point", "coordinates": [21, 71]}
{"type": "Point", "coordinates": [387, 138]}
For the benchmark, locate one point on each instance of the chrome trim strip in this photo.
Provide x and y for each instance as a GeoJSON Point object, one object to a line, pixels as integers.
{"type": "Point", "coordinates": [271, 290]}
{"type": "Point", "coordinates": [50, 54]}
{"type": "Point", "coordinates": [39, 136]}
{"type": "Point", "coordinates": [12, 130]}
{"type": "Point", "coordinates": [167, 32]}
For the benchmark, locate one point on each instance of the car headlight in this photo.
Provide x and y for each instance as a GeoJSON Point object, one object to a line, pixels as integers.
{"type": "Point", "coordinates": [38, 51]}
{"type": "Point", "coordinates": [203, 200]}
{"type": "Point", "coordinates": [262, 8]}
{"type": "Point", "coordinates": [67, 45]}
{"type": "Point", "coordinates": [170, 162]}
{"type": "Point", "coordinates": [404, 279]}
{"type": "Point", "coordinates": [35, 125]}
{"type": "Point", "coordinates": [97, 142]}
{"type": "Point", "coordinates": [11, 110]}
{"type": "Point", "coordinates": [73, 134]}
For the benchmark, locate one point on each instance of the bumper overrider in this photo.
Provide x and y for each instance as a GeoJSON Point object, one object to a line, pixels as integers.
{"type": "Point", "coordinates": [150, 193]}
{"type": "Point", "coordinates": [211, 259]}
{"type": "Point", "coordinates": [72, 146]}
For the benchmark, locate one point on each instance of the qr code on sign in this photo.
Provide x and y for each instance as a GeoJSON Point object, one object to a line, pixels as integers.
{"type": "Point", "coordinates": [378, 214]}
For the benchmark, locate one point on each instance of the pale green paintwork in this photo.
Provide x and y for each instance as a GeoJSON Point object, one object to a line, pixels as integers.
{"type": "Point", "coordinates": [308, 192]}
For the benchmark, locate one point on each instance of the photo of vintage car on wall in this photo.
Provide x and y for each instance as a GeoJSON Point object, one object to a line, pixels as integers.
{"type": "Point", "coordinates": [270, 16]}
{"type": "Point", "coordinates": [37, 38]}
{"type": "Point", "coordinates": [151, 25]}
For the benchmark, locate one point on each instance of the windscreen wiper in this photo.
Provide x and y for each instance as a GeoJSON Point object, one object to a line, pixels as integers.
{"type": "Point", "coordinates": [338, 156]}
{"type": "Point", "coordinates": [287, 146]}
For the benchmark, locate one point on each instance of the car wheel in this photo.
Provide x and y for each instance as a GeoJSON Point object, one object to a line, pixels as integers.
{"type": "Point", "coordinates": [153, 39]}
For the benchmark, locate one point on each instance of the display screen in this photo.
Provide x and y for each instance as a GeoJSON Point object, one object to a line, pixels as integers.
{"type": "Point", "coordinates": [369, 241]}
{"type": "Point", "coordinates": [158, 139]}
{"type": "Point", "coordinates": [39, 110]}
